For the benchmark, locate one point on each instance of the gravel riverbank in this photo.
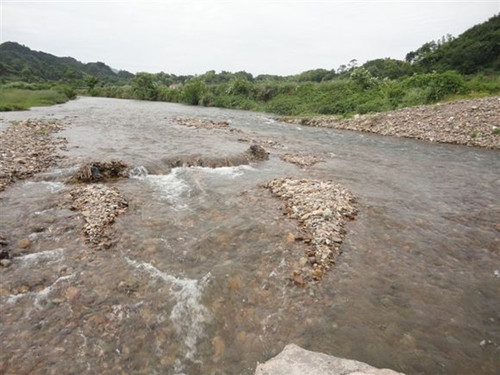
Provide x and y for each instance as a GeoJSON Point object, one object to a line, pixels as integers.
{"type": "Point", "coordinates": [466, 122]}
{"type": "Point", "coordinates": [28, 148]}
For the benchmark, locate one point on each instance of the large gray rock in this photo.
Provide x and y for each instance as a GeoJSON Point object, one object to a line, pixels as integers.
{"type": "Point", "coordinates": [294, 360]}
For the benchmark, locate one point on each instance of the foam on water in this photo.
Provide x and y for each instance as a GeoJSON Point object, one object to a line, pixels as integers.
{"type": "Point", "coordinates": [188, 314]}
{"type": "Point", "coordinates": [169, 187]}
{"type": "Point", "coordinates": [38, 296]}
{"type": "Point", "coordinates": [41, 256]}
{"type": "Point", "coordinates": [230, 172]}
{"type": "Point", "coordinates": [139, 171]}
{"type": "Point", "coordinates": [52, 186]}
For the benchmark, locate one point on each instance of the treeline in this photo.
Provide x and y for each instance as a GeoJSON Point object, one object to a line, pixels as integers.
{"type": "Point", "coordinates": [448, 68]}
{"type": "Point", "coordinates": [466, 66]}
{"type": "Point", "coordinates": [357, 91]}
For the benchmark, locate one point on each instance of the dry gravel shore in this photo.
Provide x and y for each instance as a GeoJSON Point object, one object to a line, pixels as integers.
{"type": "Point", "coordinates": [28, 148]}
{"type": "Point", "coordinates": [466, 122]}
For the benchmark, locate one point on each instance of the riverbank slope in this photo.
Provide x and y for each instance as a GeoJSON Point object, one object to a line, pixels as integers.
{"type": "Point", "coordinates": [465, 122]}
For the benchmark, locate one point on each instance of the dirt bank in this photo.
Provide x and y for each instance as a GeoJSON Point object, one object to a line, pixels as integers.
{"type": "Point", "coordinates": [466, 122]}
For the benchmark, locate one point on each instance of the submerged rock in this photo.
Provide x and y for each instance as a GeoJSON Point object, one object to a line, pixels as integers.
{"type": "Point", "coordinates": [253, 154]}
{"type": "Point", "coordinates": [200, 123]}
{"type": "Point", "coordinates": [301, 160]}
{"type": "Point", "coordinates": [257, 153]}
{"type": "Point", "coordinates": [294, 360]}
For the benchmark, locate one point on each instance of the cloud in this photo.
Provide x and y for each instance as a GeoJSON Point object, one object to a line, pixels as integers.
{"type": "Point", "coordinates": [277, 37]}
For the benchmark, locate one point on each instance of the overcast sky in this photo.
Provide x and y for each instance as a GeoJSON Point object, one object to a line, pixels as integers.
{"type": "Point", "coordinates": [259, 36]}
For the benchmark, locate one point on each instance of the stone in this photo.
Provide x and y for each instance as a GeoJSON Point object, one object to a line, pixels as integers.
{"type": "Point", "coordinates": [219, 348]}
{"type": "Point", "coordinates": [298, 280]}
{"type": "Point", "coordinates": [294, 360]}
{"type": "Point", "coordinates": [257, 153]}
{"type": "Point", "coordinates": [24, 243]}
{"type": "Point", "coordinates": [5, 263]}
{"type": "Point", "coordinates": [72, 293]}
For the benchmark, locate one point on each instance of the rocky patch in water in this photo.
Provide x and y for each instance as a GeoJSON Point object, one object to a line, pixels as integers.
{"type": "Point", "coordinates": [301, 160]}
{"type": "Point", "coordinates": [28, 148]}
{"type": "Point", "coordinates": [254, 153]}
{"type": "Point", "coordinates": [200, 123]}
{"type": "Point", "coordinates": [99, 206]}
{"type": "Point", "coordinates": [465, 122]}
{"type": "Point", "coordinates": [263, 142]}
{"type": "Point", "coordinates": [100, 171]}
{"type": "Point", "coordinates": [322, 208]}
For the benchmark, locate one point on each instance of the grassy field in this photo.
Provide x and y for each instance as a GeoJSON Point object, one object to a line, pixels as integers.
{"type": "Point", "coordinates": [13, 99]}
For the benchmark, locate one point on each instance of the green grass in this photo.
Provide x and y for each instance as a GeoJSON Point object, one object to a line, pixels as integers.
{"type": "Point", "coordinates": [12, 99]}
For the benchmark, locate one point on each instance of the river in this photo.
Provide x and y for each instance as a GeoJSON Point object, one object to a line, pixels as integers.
{"type": "Point", "coordinates": [199, 280]}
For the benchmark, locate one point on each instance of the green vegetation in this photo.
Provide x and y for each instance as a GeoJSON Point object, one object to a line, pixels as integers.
{"type": "Point", "coordinates": [19, 63]}
{"type": "Point", "coordinates": [434, 72]}
{"type": "Point", "coordinates": [451, 68]}
{"type": "Point", "coordinates": [21, 96]}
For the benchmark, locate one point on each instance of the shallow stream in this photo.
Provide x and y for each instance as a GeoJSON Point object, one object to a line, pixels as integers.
{"type": "Point", "coordinates": [199, 280]}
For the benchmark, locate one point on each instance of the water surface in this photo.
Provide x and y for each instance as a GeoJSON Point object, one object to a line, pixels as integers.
{"type": "Point", "coordinates": [199, 280]}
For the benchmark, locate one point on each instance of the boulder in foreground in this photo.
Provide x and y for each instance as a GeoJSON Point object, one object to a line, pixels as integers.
{"type": "Point", "coordinates": [294, 360]}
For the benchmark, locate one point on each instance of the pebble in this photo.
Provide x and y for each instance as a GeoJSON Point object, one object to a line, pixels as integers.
{"type": "Point", "coordinates": [72, 293]}
{"type": "Point", "coordinates": [24, 243]}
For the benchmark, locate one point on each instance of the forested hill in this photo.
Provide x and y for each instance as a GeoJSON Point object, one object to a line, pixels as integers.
{"type": "Point", "coordinates": [20, 63]}
{"type": "Point", "coordinates": [476, 50]}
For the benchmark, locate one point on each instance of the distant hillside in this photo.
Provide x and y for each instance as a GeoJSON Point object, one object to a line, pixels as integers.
{"type": "Point", "coordinates": [18, 62]}
{"type": "Point", "coordinates": [476, 50]}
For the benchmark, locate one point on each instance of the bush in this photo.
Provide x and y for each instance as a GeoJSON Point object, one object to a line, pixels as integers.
{"type": "Point", "coordinates": [144, 86]}
{"type": "Point", "coordinates": [193, 91]}
{"type": "Point", "coordinates": [438, 85]}
{"type": "Point", "coordinates": [68, 91]}
{"type": "Point", "coordinates": [167, 94]}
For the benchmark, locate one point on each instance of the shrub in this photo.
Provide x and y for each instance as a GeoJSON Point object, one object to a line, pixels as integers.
{"type": "Point", "coordinates": [193, 91]}
{"type": "Point", "coordinates": [68, 91]}
{"type": "Point", "coordinates": [438, 85]}
{"type": "Point", "coordinates": [144, 86]}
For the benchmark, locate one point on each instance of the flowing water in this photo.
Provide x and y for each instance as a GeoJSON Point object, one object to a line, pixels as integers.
{"type": "Point", "coordinates": [199, 280]}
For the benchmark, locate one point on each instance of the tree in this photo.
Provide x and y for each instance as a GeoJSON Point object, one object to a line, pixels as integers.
{"type": "Point", "coordinates": [193, 91]}
{"type": "Point", "coordinates": [144, 86]}
{"type": "Point", "coordinates": [363, 77]}
{"type": "Point", "coordinates": [91, 81]}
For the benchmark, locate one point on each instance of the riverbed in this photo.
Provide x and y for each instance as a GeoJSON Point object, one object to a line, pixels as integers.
{"type": "Point", "coordinates": [199, 279]}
